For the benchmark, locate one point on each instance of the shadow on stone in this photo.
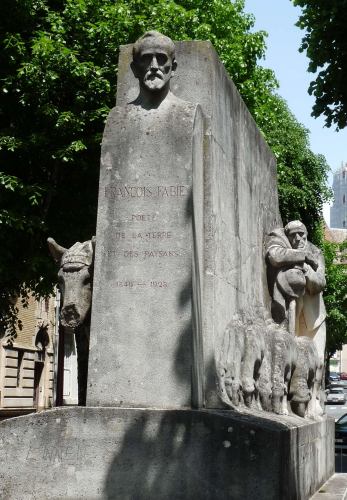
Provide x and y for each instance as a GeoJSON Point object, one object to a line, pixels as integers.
{"type": "Point", "coordinates": [195, 455]}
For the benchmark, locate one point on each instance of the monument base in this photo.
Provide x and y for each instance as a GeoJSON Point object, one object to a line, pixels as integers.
{"type": "Point", "coordinates": [114, 453]}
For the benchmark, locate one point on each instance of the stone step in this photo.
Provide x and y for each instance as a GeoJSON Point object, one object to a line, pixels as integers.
{"type": "Point", "coordinates": [334, 489]}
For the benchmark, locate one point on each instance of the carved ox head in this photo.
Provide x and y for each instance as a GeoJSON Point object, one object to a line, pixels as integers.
{"type": "Point", "coordinates": [75, 280]}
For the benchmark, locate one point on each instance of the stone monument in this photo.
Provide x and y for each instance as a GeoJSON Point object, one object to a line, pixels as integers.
{"type": "Point", "coordinates": [142, 302]}
{"type": "Point", "coordinates": [195, 390]}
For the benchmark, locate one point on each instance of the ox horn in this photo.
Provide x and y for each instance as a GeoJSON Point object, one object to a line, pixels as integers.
{"type": "Point", "coordinates": [56, 250]}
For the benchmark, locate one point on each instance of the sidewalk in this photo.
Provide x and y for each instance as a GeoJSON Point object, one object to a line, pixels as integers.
{"type": "Point", "coordinates": [334, 489]}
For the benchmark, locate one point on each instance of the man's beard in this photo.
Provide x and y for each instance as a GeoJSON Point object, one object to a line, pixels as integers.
{"type": "Point", "coordinates": [154, 81]}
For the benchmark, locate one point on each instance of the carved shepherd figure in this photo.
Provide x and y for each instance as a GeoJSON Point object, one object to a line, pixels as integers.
{"type": "Point", "coordinates": [75, 278]}
{"type": "Point", "coordinates": [296, 278]}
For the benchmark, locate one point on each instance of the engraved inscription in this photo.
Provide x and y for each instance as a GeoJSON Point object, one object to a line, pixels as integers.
{"type": "Point", "coordinates": [131, 253]}
{"type": "Point", "coordinates": [144, 254]}
{"type": "Point", "coordinates": [71, 452]}
{"type": "Point", "coordinates": [68, 453]}
{"type": "Point", "coordinates": [139, 231]}
{"type": "Point", "coordinates": [159, 284]}
{"type": "Point", "coordinates": [143, 217]}
{"type": "Point", "coordinates": [160, 253]}
{"type": "Point", "coordinates": [125, 283]}
{"type": "Point", "coordinates": [111, 253]}
{"type": "Point", "coordinates": [148, 235]}
{"type": "Point", "coordinates": [142, 284]}
{"type": "Point", "coordinates": [151, 253]}
{"type": "Point", "coordinates": [153, 235]}
{"type": "Point", "coordinates": [122, 191]}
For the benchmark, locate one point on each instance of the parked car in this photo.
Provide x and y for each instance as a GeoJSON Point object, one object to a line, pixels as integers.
{"type": "Point", "coordinates": [341, 384]}
{"type": "Point", "coordinates": [337, 384]}
{"type": "Point", "coordinates": [333, 376]}
{"type": "Point", "coordinates": [341, 433]}
{"type": "Point", "coordinates": [336, 395]}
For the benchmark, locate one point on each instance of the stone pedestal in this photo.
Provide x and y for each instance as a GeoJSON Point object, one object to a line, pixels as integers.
{"type": "Point", "coordinates": [118, 453]}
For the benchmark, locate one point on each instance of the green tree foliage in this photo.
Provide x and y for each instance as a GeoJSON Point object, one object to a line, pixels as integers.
{"type": "Point", "coordinates": [302, 175]}
{"type": "Point", "coordinates": [58, 72]}
{"type": "Point", "coordinates": [335, 297]}
{"type": "Point", "coordinates": [326, 46]}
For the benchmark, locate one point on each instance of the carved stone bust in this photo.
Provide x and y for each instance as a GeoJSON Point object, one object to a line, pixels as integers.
{"type": "Point", "coordinates": [154, 65]}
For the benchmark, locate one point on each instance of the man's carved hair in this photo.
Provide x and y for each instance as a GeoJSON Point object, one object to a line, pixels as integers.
{"type": "Point", "coordinates": [155, 37]}
{"type": "Point", "coordinates": [294, 225]}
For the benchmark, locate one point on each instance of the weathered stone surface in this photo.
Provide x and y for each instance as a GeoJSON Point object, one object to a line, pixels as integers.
{"type": "Point", "coordinates": [256, 363]}
{"type": "Point", "coordinates": [116, 453]}
{"type": "Point", "coordinates": [235, 205]}
{"type": "Point", "coordinates": [142, 324]}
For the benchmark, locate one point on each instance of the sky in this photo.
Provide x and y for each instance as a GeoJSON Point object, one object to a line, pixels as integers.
{"type": "Point", "coordinates": [278, 18]}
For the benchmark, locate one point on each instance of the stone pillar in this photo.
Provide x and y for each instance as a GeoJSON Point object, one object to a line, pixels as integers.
{"type": "Point", "coordinates": [142, 328]}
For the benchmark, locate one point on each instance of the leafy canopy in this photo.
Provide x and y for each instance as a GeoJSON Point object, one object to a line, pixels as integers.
{"type": "Point", "coordinates": [325, 44]}
{"type": "Point", "coordinates": [58, 76]}
{"type": "Point", "coordinates": [302, 175]}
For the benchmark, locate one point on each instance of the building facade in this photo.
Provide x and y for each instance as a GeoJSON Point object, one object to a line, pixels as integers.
{"type": "Point", "coordinates": [27, 363]}
{"type": "Point", "coordinates": [338, 211]}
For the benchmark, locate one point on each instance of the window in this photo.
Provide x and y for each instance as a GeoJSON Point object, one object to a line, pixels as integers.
{"type": "Point", "coordinates": [344, 199]}
{"type": "Point", "coordinates": [343, 420]}
{"type": "Point", "coordinates": [344, 223]}
{"type": "Point", "coordinates": [336, 391]}
{"type": "Point", "coordinates": [19, 366]}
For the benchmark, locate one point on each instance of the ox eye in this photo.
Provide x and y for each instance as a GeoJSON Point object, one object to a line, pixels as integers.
{"type": "Point", "coordinates": [86, 280]}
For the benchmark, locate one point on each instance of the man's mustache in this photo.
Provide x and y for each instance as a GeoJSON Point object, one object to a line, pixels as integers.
{"type": "Point", "coordinates": [150, 75]}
